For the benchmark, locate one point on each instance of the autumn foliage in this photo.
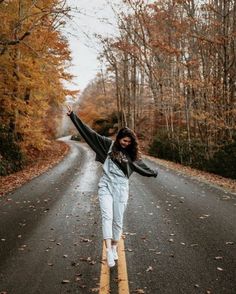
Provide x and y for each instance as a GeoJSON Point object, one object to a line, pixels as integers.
{"type": "Point", "coordinates": [33, 60]}
{"type": "Point", "coordinates": [174, 69]}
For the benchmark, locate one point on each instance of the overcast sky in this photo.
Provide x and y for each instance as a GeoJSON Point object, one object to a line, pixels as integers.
{"type": "Point", "coordinates": [84, 50]}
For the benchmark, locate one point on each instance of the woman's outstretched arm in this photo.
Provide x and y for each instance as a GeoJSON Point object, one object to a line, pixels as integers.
{"type": "Point", "coordinates": [140, 167]}
{"type": "Point", "coordinates": [100, 144]}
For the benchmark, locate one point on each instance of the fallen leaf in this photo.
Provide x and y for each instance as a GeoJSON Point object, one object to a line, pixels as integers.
{"type": "Point", "coordinates": [149, 269]}
{"type": "Point", "coordinates": [220, 269]}
{"type": "Point", "coordinates": [218, 257]}
{"type": "Point", "coordinates": [95, 290]}
{"type": "Point", "coordinates": [85, 240]}
{"type": "Point", "coordinates": [82, 286]}
{"type": "Point", "coordinates": [129, 250]}
{"type": "Point", "coordinates": [92, 262]}
{"type": "Point", "coordinates": [139, 291]}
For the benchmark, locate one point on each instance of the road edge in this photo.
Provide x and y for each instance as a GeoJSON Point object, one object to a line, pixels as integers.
{"type": "Point", "coordinates": [213, 180]}
{"type": "Point", "coordinates": [14, 181]}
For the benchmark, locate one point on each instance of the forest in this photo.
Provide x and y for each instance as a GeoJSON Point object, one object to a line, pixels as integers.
{"type": "Point", "coordinates": [172, 68]}
{"type": "Point", "coordinates": [169, 74]}
{"type": "Point", "coordinates": [34, 57]}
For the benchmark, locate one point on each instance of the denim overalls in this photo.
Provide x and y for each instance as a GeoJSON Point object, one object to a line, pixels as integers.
{"type": "Point", "coordinates": [113, 195]}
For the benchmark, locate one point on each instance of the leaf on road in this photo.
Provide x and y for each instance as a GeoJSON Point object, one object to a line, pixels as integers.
{"type": "Point", "coordinates": [65, 281]}
{"type": "Point", "coordinates": [218, 257]}
{"type": "Point", "coordinates": [93, 290]}
{"type": "Point", "coordinates": [92, 262]}
{"type": "Point", "coordinates": [22, 248]}
{"type": "Point", "coordinates": [48, 248]}
{"type": "Point", "coordinates": [219, 269]}
{"type": "Point", "coordinates": [86, 240]}
{"type": "Point", "coordinates": [149, 269]}
{"type": "Point", "coordinates": [139, 291]}
{"type": "Point", "coordinates": [129, 250]}
{"type": "Point", "coordinates": [204, 216]}
{"type": "Point", "coordinates": [131, 234]}
{"type": "Point", "coordinates": [229, 243]}
{"type": "Point", "coordinates": [50, 264]}
{"type": "Point", "coordinates": [226, 197]}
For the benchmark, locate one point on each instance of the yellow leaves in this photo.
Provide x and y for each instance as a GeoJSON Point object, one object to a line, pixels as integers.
{"type": "Point", "coordinates": [32, 71]}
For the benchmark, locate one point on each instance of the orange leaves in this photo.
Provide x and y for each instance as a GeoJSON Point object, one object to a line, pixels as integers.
{"type": "Point", "coordinates": [33, 58]}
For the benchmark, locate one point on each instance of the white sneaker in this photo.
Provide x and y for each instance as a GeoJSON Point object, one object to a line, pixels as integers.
{"type": "Point", "coordinates": [110, 258]}
{"type": "Point", "coordinates": [114, 251]}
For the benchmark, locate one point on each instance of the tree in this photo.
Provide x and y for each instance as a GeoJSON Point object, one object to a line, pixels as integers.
{"type": "Point", "coordinates": [34, 56]}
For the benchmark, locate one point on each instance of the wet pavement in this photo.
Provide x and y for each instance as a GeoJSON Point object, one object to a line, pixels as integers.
{"type": "Point", "coordinates": [180, 234]}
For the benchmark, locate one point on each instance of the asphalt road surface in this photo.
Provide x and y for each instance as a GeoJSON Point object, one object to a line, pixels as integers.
{"type": "Point", "coordinates": [179, 234]}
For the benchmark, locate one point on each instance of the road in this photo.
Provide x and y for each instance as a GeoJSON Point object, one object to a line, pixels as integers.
{"type": "Point", "coordinates": [179, 234]}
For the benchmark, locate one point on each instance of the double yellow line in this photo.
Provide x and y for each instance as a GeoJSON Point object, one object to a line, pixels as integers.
{"type": "Point", "coordinates": [123, 285]}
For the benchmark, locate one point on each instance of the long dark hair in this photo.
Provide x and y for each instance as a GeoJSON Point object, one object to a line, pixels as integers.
{"type": "Point", "coordinates": [132, 149]}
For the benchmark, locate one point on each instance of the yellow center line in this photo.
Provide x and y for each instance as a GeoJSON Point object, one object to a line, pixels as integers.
{"type": "Point", "coordinates": [123, 284]}
{"type": "Point", "coordinates": [105, 274]}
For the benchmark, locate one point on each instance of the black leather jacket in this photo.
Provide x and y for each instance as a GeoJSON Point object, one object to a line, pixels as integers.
{"type": "Point", "coordinates": [101, 144]}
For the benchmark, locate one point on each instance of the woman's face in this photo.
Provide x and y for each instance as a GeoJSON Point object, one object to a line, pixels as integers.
{"type": "Point", "coordinates": [125, 142]}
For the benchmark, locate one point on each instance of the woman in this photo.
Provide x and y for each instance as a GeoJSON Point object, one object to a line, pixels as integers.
{"type": "Point", "coordinates": [120, 159]}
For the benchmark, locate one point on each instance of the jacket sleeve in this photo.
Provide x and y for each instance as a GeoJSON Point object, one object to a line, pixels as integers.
{"type": "Point", "coordinates": [141, 168]}
{"type": "Point", "coordinates": [100, 144]}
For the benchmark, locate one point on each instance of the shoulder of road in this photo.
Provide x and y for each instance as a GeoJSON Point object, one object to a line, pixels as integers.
{"type": "Point", "coordinates": [40, 164]}
{"type": "Point", "coordinates": [229, 185]}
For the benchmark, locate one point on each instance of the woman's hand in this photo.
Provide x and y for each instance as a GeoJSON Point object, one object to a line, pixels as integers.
{"type": "Point", "coordinates": [69, 109]}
